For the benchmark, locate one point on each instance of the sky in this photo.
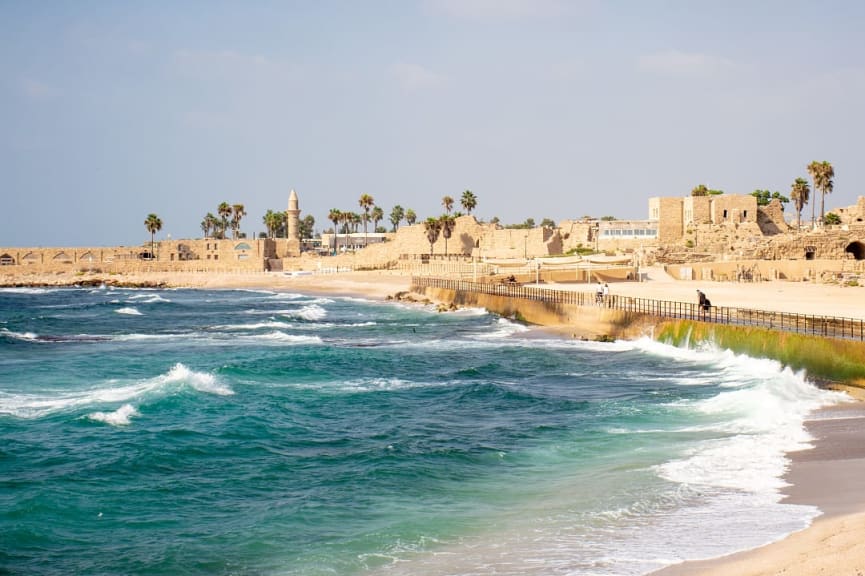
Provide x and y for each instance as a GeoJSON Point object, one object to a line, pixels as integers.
{"type": "Point", "coordinates": [554, 109]}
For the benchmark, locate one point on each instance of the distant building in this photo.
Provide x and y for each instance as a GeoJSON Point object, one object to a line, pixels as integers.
{"type": "Point", "coordinates": [675, 215]}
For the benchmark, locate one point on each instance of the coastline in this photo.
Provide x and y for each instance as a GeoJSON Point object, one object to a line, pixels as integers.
{"type": "Point", "coordinates": [830, 476]}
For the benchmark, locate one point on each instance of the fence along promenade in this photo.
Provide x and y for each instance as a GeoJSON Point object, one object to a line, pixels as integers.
{"type": "Point", "coordinates": [826, 326]}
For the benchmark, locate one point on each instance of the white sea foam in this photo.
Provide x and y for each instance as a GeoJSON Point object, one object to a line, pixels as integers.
{"type": "Point", "coordinates": [201, 381]}
{"type": "Point", "coordinates": [310, 312]}
{"type": "Point", "coordinates": [759, 415]}
{"type": "Point", "coordinates": [120, 417]}
{"type": "Point", "coordinates": [25, 290]}
{"type": "Point", "coordinates": [505, 328]}
{"type": "Point", "coordinates": [254, 326]}
{"type": "Point", "coordinates": [278, 336]}
{"type": "Point", "coordinates": [148, 298]}
{"type": "Point", "coordinates": [129, 310]}
{"type": "Point", "coordinates": [36, 405]}
{"type": "Point", "coordinates": [25, 336]}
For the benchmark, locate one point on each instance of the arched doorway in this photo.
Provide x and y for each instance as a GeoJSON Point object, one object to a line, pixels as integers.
{"type": "Point", "coordinates": [857, 249]}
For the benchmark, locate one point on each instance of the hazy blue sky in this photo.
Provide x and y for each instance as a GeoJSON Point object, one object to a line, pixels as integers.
{"type": "Point", "coordinates": [543, 108]}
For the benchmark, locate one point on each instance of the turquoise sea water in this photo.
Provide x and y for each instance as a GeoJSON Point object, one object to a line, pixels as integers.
{"type": "Point", "coordinates": [258, 432]}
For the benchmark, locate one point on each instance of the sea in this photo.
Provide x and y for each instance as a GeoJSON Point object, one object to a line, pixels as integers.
{"type": "Point", "coordinates": [259, 432]}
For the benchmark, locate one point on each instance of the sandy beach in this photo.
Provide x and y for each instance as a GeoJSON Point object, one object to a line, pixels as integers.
{"type": "Point", "coordinates": [830, 476]}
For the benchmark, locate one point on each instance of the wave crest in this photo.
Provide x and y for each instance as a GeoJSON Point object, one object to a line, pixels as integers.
{"type": "Point", "coordinates": [120, 417]}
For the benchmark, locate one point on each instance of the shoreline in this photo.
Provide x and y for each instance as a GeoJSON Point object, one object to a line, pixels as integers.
{"type": "Point", "coordinates": [830, 476]}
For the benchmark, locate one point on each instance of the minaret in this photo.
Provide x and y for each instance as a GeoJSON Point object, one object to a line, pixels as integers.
{"type": "Point", "coordinates": [293, 214]}
{"type": "Point", "coordinates": [292, 244]}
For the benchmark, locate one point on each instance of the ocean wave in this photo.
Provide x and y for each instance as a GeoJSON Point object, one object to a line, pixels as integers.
{"type": "Point", "coordinates": [129, 310]}
{"type": "Point", "coordinates": [147, 298]}
{"type": "Point", "coordinates": [26, 290]}
{"type": "Point", "coordinates": [120, 417]}
{"type": "Point", "coordinates": [24, 336]}
{"type": "Point", "coordinates": [505, 328]}
{"type": "Point", "coordinates": [37, 405]}
{"type": "Point", "coordinates": [310, 312]}
{"type": "Point", "coordinates": [759, 416]}
{"type": "Point", "coordinates": [278, 336]}
{"type": "Point", "coordinates": [253, 326]}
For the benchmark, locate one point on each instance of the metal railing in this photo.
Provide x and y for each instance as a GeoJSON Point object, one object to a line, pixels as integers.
{"type": "Point", "coordinates": [827, 326]}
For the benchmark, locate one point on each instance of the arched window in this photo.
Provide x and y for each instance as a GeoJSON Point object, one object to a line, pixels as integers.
{"type": "Point", "coordinates": [242, 246]}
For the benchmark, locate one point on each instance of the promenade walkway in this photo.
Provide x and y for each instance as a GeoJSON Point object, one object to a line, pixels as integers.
{"type": "Point", "coordinates": [827, 326]}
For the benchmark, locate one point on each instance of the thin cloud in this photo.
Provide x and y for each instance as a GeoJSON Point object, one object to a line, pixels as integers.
{"type": "Point", "coordinates": [685, 64]}
{"type": "Point", "coordinates": [413, 77]}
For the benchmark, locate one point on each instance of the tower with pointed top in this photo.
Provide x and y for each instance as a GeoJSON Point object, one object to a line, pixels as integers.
{"type": "Point", "coordinates": [292, 247]}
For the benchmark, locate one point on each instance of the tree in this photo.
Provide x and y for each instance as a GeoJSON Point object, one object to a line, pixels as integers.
{"type": "Point", "coordinates": [432, 226]}
{"type": "Point", "coordinates": [153, 225]}
{"type": "Point", "coordinates": [548, 223]}
{"type": "Point", "coordinates": [355, 221]}
{"type": "Point", "coordinates": [608, 218]}
{"type": "Point", "coordinates": [377, 216]}
{"type": "Point", "coordinates": [275, 222]}
{"type": "Point", "coordinates": [448, 204]}
{"type": "Point", "coordinates": [335, 216]}
{"type": "Point", "coordinates": [237, 213]}
{"type": "Point", "coordinates": [306, 225]}
{"type": "Point", "coordinates": [447, 224]}
{"type": "Point", "coordinates": [396, 216]}
{"type": "Point", "coordinates": [469, 201]}
{"type": "Point", "coordinates": [831, 218]}
{"type": "Point", "coordinates": [224, 211]}
{"type": "Point", "coordinates": [800, 193]}
{"type": "Point", "coordinates": [410, 217]}
{"type": "Point", "coordinates": [764, 197]}
{"type": "Point", "coordinates": [366, 203]}
{"type": "Point", "coordinates": [209, 223]}
{"type": "Point", "coordinates": [822, 174]}
{"type": "Point", "coordinates": [700, 190]}
{"type": "Point", "coordinates": [495, 220]}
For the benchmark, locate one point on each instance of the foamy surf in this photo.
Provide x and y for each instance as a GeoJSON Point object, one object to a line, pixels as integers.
{"type": "Point", "coordinates": [38, 405]}
{"type": "Point", "coordinates": [120, 417]}
{"type": "Point", "coordinates": [129, 310]}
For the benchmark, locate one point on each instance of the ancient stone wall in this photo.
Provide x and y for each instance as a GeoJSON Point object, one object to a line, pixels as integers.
{"type": "Point", "coordinates": [733, 208]}
{"type": "Point", "coordinates": [697, 210]}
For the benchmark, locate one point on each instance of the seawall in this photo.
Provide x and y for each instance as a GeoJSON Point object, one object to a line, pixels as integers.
{"type": "Point", "coordinates": [833, 362]}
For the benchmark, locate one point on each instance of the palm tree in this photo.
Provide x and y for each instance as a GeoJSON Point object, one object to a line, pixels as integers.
{"type": "Point", "coordinates": [238, 212]}
{"type": "Point", "coordinates": [800, 193]}
{"type": "Point", "coordinates": [153, 225]}
{"type": "Point", "coordinates": [366, 202]}
{"type": "Point", "coordinates": [469, 201]}
{"type": "Point", "coordinates": [274, 221]}
{"type": "Point", "coordinates": [377, 216]}
{"type": "Point", "coordinates": [396, 216]}
{"type": "Point", "coordinates": [410, 217]}
{"type": "Point", "coordinates": [356, 219]}
{"type": "Point", "coordinates": [822, 174]}
{"type": "Point", "coordinates": [433, 228]}
{"type": "Point", "coordinates": [448, 204]}
{"type": "Point", "coordinates": [335, 216]}
{"type": "Point", "coordinates": [447, 223]}
{"type": "Point", "coordinates": [224, 211]}
{"type": "Point", "coordinates": [207, 224]}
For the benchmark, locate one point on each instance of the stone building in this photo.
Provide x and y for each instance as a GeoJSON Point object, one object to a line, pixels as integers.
{"type": "Point", "coordinates": [674, 216]}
